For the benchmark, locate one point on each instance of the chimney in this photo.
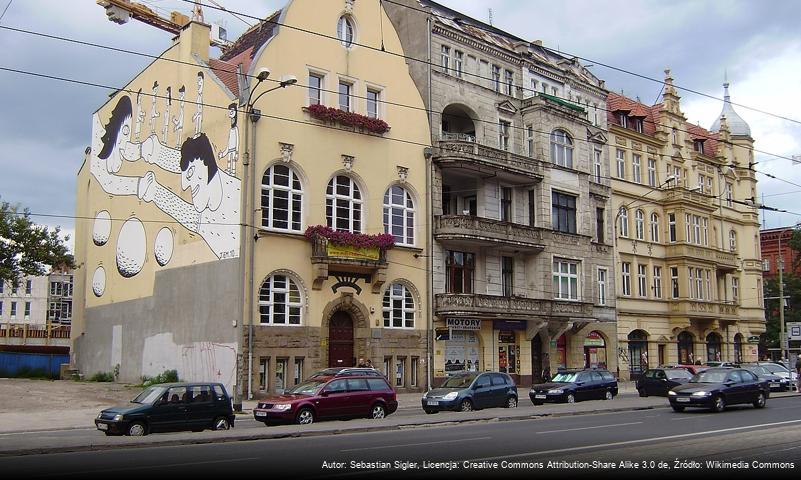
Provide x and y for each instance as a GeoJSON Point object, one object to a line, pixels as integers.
{"type": "Point", "coordinates": [195, 38]}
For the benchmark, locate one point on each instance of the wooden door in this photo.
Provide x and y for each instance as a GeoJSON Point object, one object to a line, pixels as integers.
{"type": "Point", "coordinates": [536, 360]}
{"type": "Point", "coordinates": [340, 340]}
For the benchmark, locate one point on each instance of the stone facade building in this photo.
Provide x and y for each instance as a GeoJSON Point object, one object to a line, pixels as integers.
{"type": "Point", "coordinates": [522, 223]}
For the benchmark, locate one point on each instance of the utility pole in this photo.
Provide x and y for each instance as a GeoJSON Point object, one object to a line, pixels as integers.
{"type": "Point", "coordinates": [782, 340]}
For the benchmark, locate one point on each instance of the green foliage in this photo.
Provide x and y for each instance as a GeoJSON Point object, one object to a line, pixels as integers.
{"type": "Point", "coordinates": [102, 377]}
{"type": "Point", "coordinates": [27, 248]}
{"type": "Point", "coordinates": [28, 372]}
{"type": "Point", "coordinates": [167, 376]}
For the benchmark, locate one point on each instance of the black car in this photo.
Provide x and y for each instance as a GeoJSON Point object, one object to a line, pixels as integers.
{"type": "Point", "coordinates": [347, 372]}
{"type": "Point", "coordinates": [657, 381]}
{"type": "Point", "coordinates": [575, 385]}
{"type": "Point", "coordinates": [170, 407]}
{"type": "Point", "coordinates": [774, 381]}
{"type": "Point", "coordinates": [467, 391]}
{"type": "Point", "coordinates": [716, 388]}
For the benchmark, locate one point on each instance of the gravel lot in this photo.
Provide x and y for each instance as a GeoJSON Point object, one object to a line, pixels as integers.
{"type": "Point", "coordinates": [23, 395]}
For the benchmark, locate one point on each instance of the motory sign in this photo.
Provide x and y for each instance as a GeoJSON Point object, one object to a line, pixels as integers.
{"type": "Point", "coordinates": [463, 323]}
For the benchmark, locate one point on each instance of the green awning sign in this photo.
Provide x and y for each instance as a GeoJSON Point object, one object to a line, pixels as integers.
{"type": "Point", "coordinates": [753, 339]}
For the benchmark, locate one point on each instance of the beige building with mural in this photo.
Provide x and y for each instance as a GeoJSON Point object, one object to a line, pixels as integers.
{"type": "Point", "coordinates": [687, 235]}
{"type": "Point", "coordinates": [250, 236]}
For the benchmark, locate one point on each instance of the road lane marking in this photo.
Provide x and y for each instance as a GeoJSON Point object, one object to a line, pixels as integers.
{"type": "Point", "coordinates": [588, 428]}
{"type": "Point", "coordinates": [694, 417]}
{"type": "Point", "coordinates": [416, 444]}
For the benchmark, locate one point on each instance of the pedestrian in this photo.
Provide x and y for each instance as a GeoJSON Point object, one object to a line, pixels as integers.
{"type": "Point", "coordinates": [692, 358]}
{"type": "Point", "coordinates": [798, 374]}
{"type": "Point", "coordinates": [717, 356]}
{"type": "Point", "coordinates": [369, 363]}
{"type": "Point", "coordinates": [644, 360]}
{"type": "Point", "coordinates": [361, 363]}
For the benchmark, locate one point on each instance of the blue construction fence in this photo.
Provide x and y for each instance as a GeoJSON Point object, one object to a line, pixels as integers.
{"type": "Point", "coordinates": [15, 364]}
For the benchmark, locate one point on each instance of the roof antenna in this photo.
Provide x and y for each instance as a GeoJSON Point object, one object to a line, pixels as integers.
{"type": "Point", "coordinates": [490, 17]}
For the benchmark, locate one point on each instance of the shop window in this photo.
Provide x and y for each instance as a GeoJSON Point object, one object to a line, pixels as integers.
{"type": "Point", "coordinates": [298, 370]}
{"type": "Point", "coordinates": [264, 367]}
{"type": "Point", "coordinates": [281, 368]}
{"type": "Point", "coordinates": [413, 372]}
{"type": "Point", "coordinates": [508, 352]}
{"type": "Point", "coordinates": [388, 367]}
{"type": "Point", "coordinates": [400, 371]}
{"type": "Point", "coordinates": [462, 351]}
{"type": "Point", "coordinates": [594, 351]}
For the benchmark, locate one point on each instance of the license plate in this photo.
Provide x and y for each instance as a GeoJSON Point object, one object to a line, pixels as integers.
{"type": "Point", "coordinates": [102, 426]}
{"type": "Point", "coordinates": [540, 396]}
{"type": "Point", "coordinates": [775, 385]}
{"type": "Point", "coordinates": [683, 399]}
{"type": "Point", "coordinates": [261, 414]}
{"type": "Point", "coordinates": [433, 402]}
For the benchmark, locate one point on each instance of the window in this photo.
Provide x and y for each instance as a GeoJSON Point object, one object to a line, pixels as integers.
{"type": "Point", "coordinates": [532, 207]}
{"type": "Point", "coordinates": [343, 204]}
{"type": "Point", "coordinates": [507, 275]}
{"type": "Point", "coordinates": [624, 222]}
{"type": "Point", "coordinates": [496, 78]}
{"type": "Point", "coordinates": [735, 290]}
{"type": "Point", "coordinates": [457, 63]}
{"type": "Point", "coordinates": [400, 371]}
{"type": "Point", "coordinates": [599, 225]}
{"type": "Point", "coordinates": [637, 124]}
{"type": "Point", "coordinates": [732, 240]}
{"type": "Point", "coordinates": [642, 282]}
{"type": "Point", "coordinates": [597, 165]}
{"type": "Point", "coordinates": [672, 227]}
{"type": "Point", "coordinates": [729, 188]}
{"type": "Point", "coordinates": [530, 140]}
{"type": "Point", "coordinates": [701, 181]}
{"type": "Point", "coordinates": [13, 310]}
{"type": "Point", "coordinates": [561, 149]}
{"type": "Point", "coordinates": [2, 286]}
{"type": "Point", "coordinates": [639, 225]}
{"type": "Point", "coordinates": [27, 310]}
{"type": "Point", "coordinates": [554, 91]}
{"type": "Point", "coordinates": [698, 145]}
{"type": "Point", "coordinates": [414, 371]}
{"type": "Point", "coordinates": [675, 136]}
{"type": "Point", "coordinates": [565, 280]}
{"type": "Point", "coordinates": [651, 172]}
{"type": "Point", "coordinates": [503, 134]}
{"type": "Point", "coordinates": [635, 168]}
{"type": "Point", "coordinates": [460, 266]}
{"type": "Point", "coordinates": [601, 286]}
{"type": "Point", "coordinates": [398, 307]}
{"type": "Point", "coordinates": [345, 96]}
{"type": "Point", "coordinates": [55, 289]}
{"type": "Point", "coordinates": [280, 301]}
{"type": "Point", "coordinates": [657, 282]}
{"type": "Point", "coordinates": [509, 82]}
{"type": "Point", "coordinates": [623, 119]}
{"type": "Point", "coordinates": [705, 223]}
{"type": "Point", "coordinates": [28, 287]}
{"type": "Point", "coordinates": [281, 199]}
{"type": "Point", "coordinates": [621, 164]}
{"type": "Point", "coordinates": [506, 204]}
{"type": "Point", "coordinates": [625, 268]}
{"type": "Point", "coordinates": [315, 89]}
{"type": "Point", "coordinates": [563, 212]}
{"type": "Point", "coordinates": [345, 31]}
{"type": "Point", "coordinates": [372, 103]}
{"type": "Point", "coordinates": [446, 58]}
{"type": "Point", "coordinates": [54, 313]}
{"type": "Point", "coordinates": [1, 308]}
{"type": "Point", "coordinates": [674, 282]}
{"type": "Point", "coordinates": [399, 215]}
{"type": "Point", "coordinates": [655, 228]}
{"type": "Point", "coordinates": [544, 87]}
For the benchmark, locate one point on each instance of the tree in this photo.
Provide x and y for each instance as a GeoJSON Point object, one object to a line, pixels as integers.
{"type": "Point", "coordinates": [27, 248]}
{"type": "Point", "coordinates": [792, 294]}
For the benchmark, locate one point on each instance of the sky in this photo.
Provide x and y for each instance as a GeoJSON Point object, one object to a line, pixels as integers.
{"type": "Point", "coordinates": [45, 124]}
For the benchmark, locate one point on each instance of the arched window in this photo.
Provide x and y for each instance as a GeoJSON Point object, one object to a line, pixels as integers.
{"type": "Point", "coordinates": [713, 342]}
{"type": "Point", "coordinates": [561, 149]}
{"type": "Point", "coordinates": [398, 307]}
{"type": "Point", "coordinates": [281, 199]}
{"type": "Point", "coordinates": [738, 348]}
{"type": "Point", "coordinates": [624, 222]}
{"type": "Point", "coordinates": [345, 31]}
{"type": "Point", "coordinates": [655, 228]}
{"type": "Point", "coordinates": [399, 215]}
{"type": "Point", "coordinates": [639, 225]}
{"type": "Point", "coordinates": [343, 204]}
{"type": "Point", "coordinates": [638, 344]}
{"type": "Point", "coordinates": [732, 240]}
{"type": "Point", "coordinates": [280, 302]}
{"type": "Point", "coordinates": [685, 344]}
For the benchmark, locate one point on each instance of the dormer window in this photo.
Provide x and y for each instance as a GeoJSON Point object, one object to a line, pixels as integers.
{"type": "Point", "coordinates": [698, 145]}
{"type": "Point", "coordinates": [623, 119]}
{"type": "Point", "coordinates": [638, 124]}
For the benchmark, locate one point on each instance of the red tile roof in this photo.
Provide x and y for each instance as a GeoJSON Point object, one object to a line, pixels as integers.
{"type": "Point", "coordinates": [245, 47]}
{"type": "Point", "coordinates": [226, 72]}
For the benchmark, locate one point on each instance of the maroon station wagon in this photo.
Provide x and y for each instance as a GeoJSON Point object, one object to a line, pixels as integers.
{"type": "Point", "coordinates": [329, 397]}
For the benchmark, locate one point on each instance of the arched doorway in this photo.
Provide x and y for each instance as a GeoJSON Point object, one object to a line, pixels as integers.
{"type": "Point", "coordinates": [685, 345]}
{"type": "Point", "coordinates": [738, 348]}
{"type": "Point", "coordinates": [537, 363]}
{"type": "Point", "coordinates": [340, 340]}
{"type": "Point", "coordinates": [457, 123]}
{"type": "Point", "coordinates": [638, 344]}
{"type": "Point", "coordinates": [594, 350]}
{"type": "Point", "coordinates": [713, 342]}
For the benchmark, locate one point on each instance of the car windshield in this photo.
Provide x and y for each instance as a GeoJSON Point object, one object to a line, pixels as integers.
{"type": "Point", "coordinates": [459, 381]}
{"type": "Point", "coordinates": [674, 374]}
{"type": "Point", "coordinates": [774, 368]}
{"type": "Point", "coordinates": [327, 372]}
{"type": "Point", "coordinates": [149, 395]}
{"type": "Point", "coordinates": [565, 377]}
{"type": "Point", "coordinates": [309, 387]}
{"type": "Point", "coordinates": [710, 376]}
{"type": "Point", "coordinates": [758, 369]}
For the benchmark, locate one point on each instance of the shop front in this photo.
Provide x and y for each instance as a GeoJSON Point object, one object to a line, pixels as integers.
{"type": "Point", "coordinates": [507, 334]}
{"type": "Point", "coordinates": [461, 344]}
{"type": "Point", "coordinates": [594, 350]}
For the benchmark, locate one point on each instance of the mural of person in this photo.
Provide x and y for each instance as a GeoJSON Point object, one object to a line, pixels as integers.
{"type": "Point", "coordinates": [214, 211]}
{"type": "Point", "coordinates": [198, 116]}
{"type": "Point", "coordinates": [167, 107]}
{"type": "Point", "coordinates": [154, 114]}
{"type": "Point", "coordinates": [113, 147]}
{"type": "Point", "coordinates": [140, 115]}
{"type": "Point", "coordinates": [178, 121]}
{"type": "Point", "coordinates": [233, 141]}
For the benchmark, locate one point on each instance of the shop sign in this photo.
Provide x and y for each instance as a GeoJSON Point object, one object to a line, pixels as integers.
{"type": "Point", "coordinates": [594, 339]}
{"type": "Point", "coordinates": [463, 323]}
{"type": "Point", "coordinates": [506, 336]}
{"type": "Point", "coordinates": [353, 252]}
{"type": "Point", "coordinates": [753, 339]}
{"type": "Point", "coordinates": [793, 330]}
{"type": "Point", "coordinates": [509, 324]}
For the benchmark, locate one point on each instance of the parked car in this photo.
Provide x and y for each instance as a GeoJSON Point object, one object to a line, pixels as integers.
{"type": "Point", "coordinates": [689, 367]}
{"type": "Point", "coordinates": [466, 391]}
{"type": "Point", "coordinates": [657, 381]}
{"type": "Point", "coordinates": [347, 372]}
{"type": "Point", "coordinates": [329, 397]}
{"type": "Point", "coordinates": [575, 385]}
{"type": "Point", "coordinates": [774, 381]}
{"type": "Point", "coordinates": [718, 363]}
{"type": "Point", "coordinates": [780, 370]}
{"type": "Point", "coordinates": [716, 388]}
{"type": "Point", "coordinates": [170, 407]}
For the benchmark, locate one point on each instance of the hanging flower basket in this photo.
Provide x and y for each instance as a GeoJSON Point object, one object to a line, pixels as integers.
{"type": "Point", "coordinates": [350, 119]}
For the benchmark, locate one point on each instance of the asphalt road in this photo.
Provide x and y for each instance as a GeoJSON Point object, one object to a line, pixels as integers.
{"type": "Point", "coordinates": [764, 442]}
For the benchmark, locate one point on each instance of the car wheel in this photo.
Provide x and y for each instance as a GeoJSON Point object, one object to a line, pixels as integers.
{"type": "Point", "coordinates": [608, 395]}
{"type": "Point", "coordinates": [378, 411]}
{"type": "Point", "coordinates": [511, 402]}
{"type": "Point", "coordinates": [677, 408]}
{"type": "Point", "coordinates": [430, 411]}
{"type": "Point", "coordinates": [760, 401]}
{"type": "Point", "coordinates": [718, 404]}
{"type": "Point", "coordinates": [304, 417]}
{"type": "Point", "coordinates": [137, 429]}
{"type": "Point", "coordinates": [466, 405]}
{"type": "Point", "coordinates": [221, 423]}
{"type": "Point", "coordinates": [570, 398]}
{"type": "Point", "coordinates": [642, 392]}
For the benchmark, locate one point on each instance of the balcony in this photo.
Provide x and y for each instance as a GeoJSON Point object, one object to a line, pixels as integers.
{"type": "Point", "coordinates": [685, 251]}
{"type": "Point", "coordinates": [680, 196]}
{"type": "Point", "coordinates": [465, 151]}
{"type": "Point", "coordinates": [493, 306]}
{"type": "Point", "coordinates": [477, 231]}
{"type": "Point", "coordinates": [699, 309]}
{"type": "Point", "coordinates": [35, 335]}
{"type": "Point", "coordinates": [347, 264]}
{"type": "Point", "coordinates": [543, 100]}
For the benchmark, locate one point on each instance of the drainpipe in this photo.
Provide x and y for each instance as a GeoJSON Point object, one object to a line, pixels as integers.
{"type": "Point", "coordinates": [242, 267]}
{"type": "Point", "coordinates": [251, 274]}
{"type": "Point", "coordinates": [430, 235]}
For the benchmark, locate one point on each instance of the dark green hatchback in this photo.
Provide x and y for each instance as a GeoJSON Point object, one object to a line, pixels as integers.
{"type": "Point", "coordinates": [170, 407]}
